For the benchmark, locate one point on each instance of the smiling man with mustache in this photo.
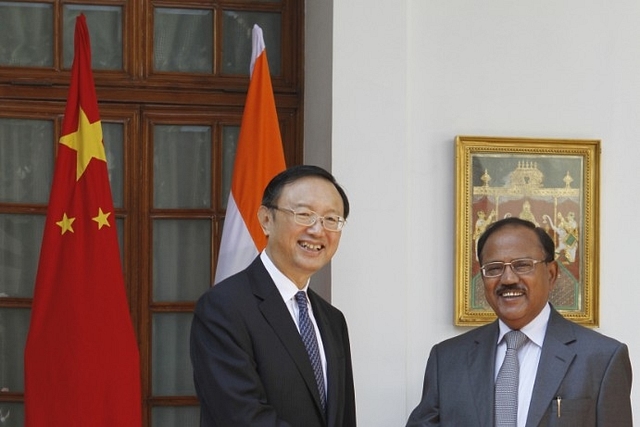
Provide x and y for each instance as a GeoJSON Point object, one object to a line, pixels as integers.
{"type": "Point", "coordinates": [564, 373]}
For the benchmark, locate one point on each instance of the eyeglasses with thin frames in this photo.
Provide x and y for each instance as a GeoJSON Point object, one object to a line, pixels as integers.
{"type": "Point", "coordinates": [308, 218]}
{"type": "Point", "coordinates": [518, 266]}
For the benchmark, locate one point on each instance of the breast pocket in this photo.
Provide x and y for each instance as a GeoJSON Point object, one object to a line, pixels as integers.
{"type": "Point", "coordinates": [571, 413]}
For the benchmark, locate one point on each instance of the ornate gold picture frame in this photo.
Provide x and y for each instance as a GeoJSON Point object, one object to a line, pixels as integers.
{"type": "Point", "coordinates": [552, 182]}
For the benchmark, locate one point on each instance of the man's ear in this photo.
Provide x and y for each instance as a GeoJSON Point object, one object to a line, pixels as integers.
{"type": "Point", "coordinates": [552, 270]}
{"type": "Point", "coordinates": [265, 219]}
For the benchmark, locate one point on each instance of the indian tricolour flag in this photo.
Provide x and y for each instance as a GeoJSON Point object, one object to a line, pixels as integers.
{"type": "Point", "coordinates": [259, 158]}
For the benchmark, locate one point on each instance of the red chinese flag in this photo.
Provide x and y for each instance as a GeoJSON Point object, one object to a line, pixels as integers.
{"type": "Point", "coordinates": [81, 358]}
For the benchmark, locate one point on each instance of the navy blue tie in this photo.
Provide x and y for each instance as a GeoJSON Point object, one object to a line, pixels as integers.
{"type": "Point", "coordinates": [308, 334]}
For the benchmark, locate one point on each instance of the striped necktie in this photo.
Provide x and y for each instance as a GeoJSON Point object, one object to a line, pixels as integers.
{"type": "Point", "coordinates": [308, 334]}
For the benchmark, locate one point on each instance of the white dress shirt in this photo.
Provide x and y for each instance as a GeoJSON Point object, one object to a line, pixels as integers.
{"type": "Point", "coordinates": [288, 291]}
{"type": "Point", "coordinates": [528, 357]}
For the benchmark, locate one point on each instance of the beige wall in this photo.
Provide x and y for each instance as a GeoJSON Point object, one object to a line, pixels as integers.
{"type": "Point", "coordinates": [392, 86]}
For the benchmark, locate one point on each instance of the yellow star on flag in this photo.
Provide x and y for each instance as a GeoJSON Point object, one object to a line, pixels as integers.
{"type": "Point", "coordinates": [87, 141]}
{"type": "Point", "coordinates": [66, 223]}
{"type": "Point", "coordinates": [101, 219]}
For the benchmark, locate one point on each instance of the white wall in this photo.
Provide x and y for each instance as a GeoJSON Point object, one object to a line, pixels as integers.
{"type": "Point", "coordinates": [406, 78]}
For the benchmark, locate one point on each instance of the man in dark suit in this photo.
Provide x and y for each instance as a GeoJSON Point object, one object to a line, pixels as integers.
{"type": "Point", "coordinates": [567, 375]}
{"type": "Point", "coordinates": [250, 360]}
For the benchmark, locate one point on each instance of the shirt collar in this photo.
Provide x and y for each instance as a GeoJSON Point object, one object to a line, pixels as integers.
{"type": "Point", "coordinates": [534, 330]}
{"type": "Point", "coordinates": [286, 287]}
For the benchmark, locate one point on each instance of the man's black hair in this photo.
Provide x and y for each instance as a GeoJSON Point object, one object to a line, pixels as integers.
{"type": "Point", "coordinates": [274, 188]}
{"type": "Point", "coordinates": [546, 241]}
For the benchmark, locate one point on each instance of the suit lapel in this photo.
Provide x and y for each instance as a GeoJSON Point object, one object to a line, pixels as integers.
{"type": "Point", "coordinates": [277, 315]}
{"type": "Point", "coordinates": [555, 359]}
{"type": "Point", "coordinates": [481, 372]}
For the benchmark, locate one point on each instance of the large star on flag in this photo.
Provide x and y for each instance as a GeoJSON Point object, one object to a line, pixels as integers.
{"type": "Point", "coordinates": [87, 141]}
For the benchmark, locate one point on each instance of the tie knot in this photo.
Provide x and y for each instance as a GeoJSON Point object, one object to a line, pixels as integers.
{"type": "Point", "coordinates": [515, 339]}
{"type": "Point", "coordinates": [301, 299]}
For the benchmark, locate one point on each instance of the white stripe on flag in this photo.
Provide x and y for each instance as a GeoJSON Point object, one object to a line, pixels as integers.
{"type": "Point", "coordinates": [237, 248]}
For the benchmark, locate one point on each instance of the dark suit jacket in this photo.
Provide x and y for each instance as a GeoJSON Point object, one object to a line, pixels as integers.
{"type": "Point", "coordinates": [250, 365]}
{"type": "Point", "coordinates": [590, 372]}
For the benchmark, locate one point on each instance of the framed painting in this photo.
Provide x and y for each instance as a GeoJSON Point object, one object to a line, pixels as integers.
{"type": "Point", "coordinates": [552, 182]}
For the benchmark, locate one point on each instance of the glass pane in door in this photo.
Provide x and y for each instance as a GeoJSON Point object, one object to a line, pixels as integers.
{"type": "Point", "coordinates": [113, 138]}
{"type": "Point", "coordinates": [14, 324]}
{"type": "Point", "coordinates": [183, 40]}
{"type": "Point", "coordinates": [26, 34]}
{"type": "Point", "coordinates": [105, 31]}
{"type": "Point", "coordinates": [20, 239]}
{"type": "Point", "coordinates": [172, 373]}
{"type": "Point", "coordinates": [172, 416]}
{"type": "Point", "coordinates": [236, 40]}
{"type": "Point", "coordinates": [11, 414]}
{"type": "Point", "coordinates": [181, 259]}
{"type": "Point", "coordinates": [26, 160]}
{"type": "Point", "coordinates": [229, 148]}
{"type": "Point", "coordinates": [181, 167]}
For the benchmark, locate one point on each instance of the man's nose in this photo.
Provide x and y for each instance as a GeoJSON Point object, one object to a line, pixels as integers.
{"type": "Point", "coordinates": [508, 275]}
{"type": "Point", "coordinates": [316, 227]}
